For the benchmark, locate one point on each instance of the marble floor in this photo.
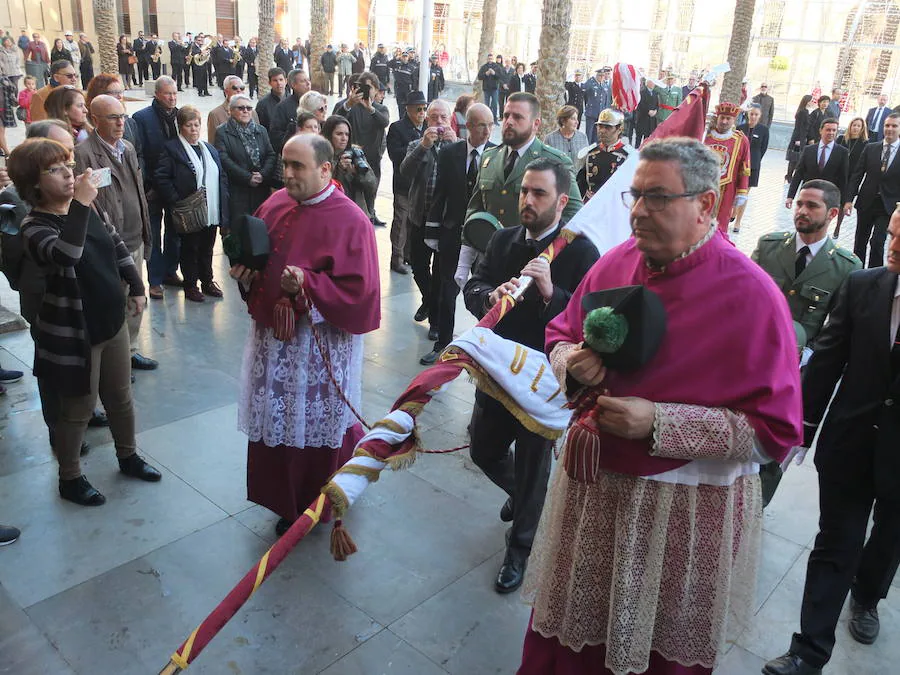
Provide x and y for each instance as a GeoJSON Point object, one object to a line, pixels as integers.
{"type": "Point", "coordinates": [114, 590]}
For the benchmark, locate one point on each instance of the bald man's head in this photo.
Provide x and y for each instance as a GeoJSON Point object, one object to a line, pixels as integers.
{"type": "Point", "coordinates": [307, 160]}
{"type": "Point", "coordinates": [108, 116]}
{"type": "Point", "coordinates": [480, 124]}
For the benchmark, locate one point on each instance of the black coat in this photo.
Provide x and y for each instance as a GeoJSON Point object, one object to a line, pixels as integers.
{"type": "Point", "coordinates": [816, 117]}
{"type": "Point", "coordinates": [867, 182]}
{"type": "Point", "coordinates": [860, 435]}
{"type": "Point", "coordinates": [284, 59]}
{"type": "Point", "coordinates": [265, 108]}
{"type": "Point", "coordinates": [759, 143]}
{"type": "Point", "coordinates": [798, 136]}
{"type": "Point", "coordinates": [836, 170]}
{"type": "Point", "coordinates": [175, 178]}
{"type": "Point", "coordinates": [490, 82]}
{"type": "Point", "coordinates": [450, 201]}
{"type": "Point", "coordinates": [400, 134]}
{"type": "Point", "coordinates": [507, 253]}
{"type": "Point", "coordinates": [284, 118]}
{"type": "Point", "coordinates": [243, 197]}
{"type": "Point", "coordinates": [643, 123]}
{"type": "Point", "coordinates": [530, 82]}
{"type": "Point", "coordinates": [855, 146]}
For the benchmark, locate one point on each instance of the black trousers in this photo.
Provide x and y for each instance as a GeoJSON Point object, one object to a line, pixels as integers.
{"type": "Point", "coordinates": [425, 263]}
{"type": "Point", "coordinates": [871, 230]}
{"type": "Point", "coordinates": [87, 72]}
{"type": "Point", "coordinates": [843, 560]}
{"type": "Point", "coordinates": [156, 68]}
{"type": "Point", "coordinates": [200, 79]}
{"type": "Point", "coordinates": [186, 71]}
{"type": "Point", "coordinates": [523, 476]}
{"type": "Point", "coordinates": [448, 259]}
{"type": "Point", "coordinates": [197, 255]}
{"type": "Point", "coordinates": [143, 68]}
{"type": "Point", "coordinates": [252, 82]}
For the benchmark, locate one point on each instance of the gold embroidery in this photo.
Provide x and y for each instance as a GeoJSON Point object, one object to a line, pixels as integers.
{"type": "Point", "coordinates": [555, 394]}
{"type": "Point", "coordinates": [537, 378]}
{"type": "Point", "coordinates": [518, 361]}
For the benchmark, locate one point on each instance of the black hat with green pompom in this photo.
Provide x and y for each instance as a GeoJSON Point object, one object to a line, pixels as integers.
{"type": "Point", "coordinates": [624, 325]}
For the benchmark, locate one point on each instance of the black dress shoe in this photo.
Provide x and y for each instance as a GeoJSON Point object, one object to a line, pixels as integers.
{"type": "Point", "coordinates": [81, 492]}
{"type": "Point", "coordinates": [136, 467]}
{"type": "Point", "coordinates": [421, 313]}
{"type": "Point", "coordinates": [506, 511]}
{"type": "Point", "coordinates": [98, 419]}
{"type": "Point", "coordinates": [282, 526]}
{"type": "Point", "coordinates": [141, 362]}
{"type": "Point", "coordinates": [431, 357]}
{"type": "Point", "coordinates": [512, 571]}
{"type": "Point", "coordinates": [864, 624]}
{"type": "Point", "coordinates": [173, 280]}
{"type": "Point", "coordinates": [789, 664]}
{"type": "Point", "coordinates": [433, 334]}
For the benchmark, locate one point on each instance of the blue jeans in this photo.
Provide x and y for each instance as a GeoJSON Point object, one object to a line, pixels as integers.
{"type": "Point", "coordinates": [164, 256]}
{"type": "Point", "coordinates": [490, 100]}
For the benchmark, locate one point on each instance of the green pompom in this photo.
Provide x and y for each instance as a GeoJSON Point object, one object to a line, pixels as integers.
{"type": "Point", "coordinates": [604, 330]}
{"type": "Point", "coordinates": [231, 246]}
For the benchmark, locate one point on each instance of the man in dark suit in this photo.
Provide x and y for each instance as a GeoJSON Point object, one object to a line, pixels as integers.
{"type": "Point", "coordinates": [875, 184]}
{"type": "Point", "coordinates": [511, 253]}
{"type": "Point", "coordinates": [284, 116]}
{"type": "Point", "coordinates": [858, 463]}
{"type": "Point", "coordinates": [177, 54]}
{"type": "Point", "coordinates": [456, 177]}
{"type": "Point", "coordinates": [400, 134]}
{"type": "Point", "coordinates": [826, 160]}
{"type": "Point", "coordinates": [876, 117]}
{"type": "Point", "coordinates": [139, 46]}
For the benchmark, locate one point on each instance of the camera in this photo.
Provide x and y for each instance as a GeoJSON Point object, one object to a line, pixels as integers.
{"type": "Point", "coordinates": [358, 157]}
{"type": "Point", "coordinates": [440, 131]}
{"type": "Point", "coordinates": [364, 89]}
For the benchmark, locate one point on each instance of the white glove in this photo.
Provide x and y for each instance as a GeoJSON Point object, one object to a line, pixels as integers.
{"type": "Point", "coordinates": [467, 256]}
{"type": "Point", "coordinates": [805, 356]}
{"type": "Point", "coordinates": [797, 453]}
{"type": "Point", "coordinates": [433, 244]}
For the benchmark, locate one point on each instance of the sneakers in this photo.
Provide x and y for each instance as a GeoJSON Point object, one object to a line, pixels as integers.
{"type": "Point", "coordinates": [10, 376]}
{"type": "Point", "coordinates": [8, 534]}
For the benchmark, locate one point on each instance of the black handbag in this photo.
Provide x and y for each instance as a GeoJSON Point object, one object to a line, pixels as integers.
{"type": "Point", "coordinates": [247, 243]}
{"type": "Point", "coordinates": [191, 214]}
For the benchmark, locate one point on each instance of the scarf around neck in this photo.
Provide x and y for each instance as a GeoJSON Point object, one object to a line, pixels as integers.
{"type": "Point", "coordinates": [167, 117]}
{"type": "Point", "coordinates": [207, 174]}
{"type": "Point", "coordinates": [247, 134]}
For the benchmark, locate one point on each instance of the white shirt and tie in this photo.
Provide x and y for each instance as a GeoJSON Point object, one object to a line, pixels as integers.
{"type": "Point", "coordinates": [811, 249]}
{"type": "Point", "coordinates": [824, 149]}
{"type": "Point", "coordinates": [876, 120]}
{"type": "Point", "coordinates": [892, 148]}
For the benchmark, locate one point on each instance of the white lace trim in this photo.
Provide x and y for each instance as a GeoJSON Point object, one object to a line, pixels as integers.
{"type": "Point", "coordinates": [286, 396]}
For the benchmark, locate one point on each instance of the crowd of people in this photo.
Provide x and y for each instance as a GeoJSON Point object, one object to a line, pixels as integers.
{"type": "Point", "coordinates": [659, 493]}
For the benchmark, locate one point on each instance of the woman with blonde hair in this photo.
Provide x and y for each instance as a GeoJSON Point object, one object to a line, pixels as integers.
{"type": "Point", "coordinates": [315, 103]}
{"type": "Point", "coordinates": [66, 103]}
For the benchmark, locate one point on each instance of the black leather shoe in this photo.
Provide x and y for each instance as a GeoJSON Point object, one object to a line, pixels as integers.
{"type": "Point", "coordinates": [431, 357]}
{"type": "Point", "coordinates": [98, 419]}
{"type": "Point", "coordinates": [421, 313]}
{"type": "Point", "coordinates": [81, 492]}
{"type": "Point", "coordinates": [433, 334]}
{"type": "Point", "coordinates": [512, 572]}
{"type": "Point", "coordinates": [789, 664]}
{"type": "Point", "coordinates": [282, 526]}
{"type": "Point", "coordinates": [506, 511]}
{"type": "Point", "coordinates": [141, 362]}
{"type": "Point", "coordinates": [864, 625]}
{"type": "Point", "coordinates": [136, 467]}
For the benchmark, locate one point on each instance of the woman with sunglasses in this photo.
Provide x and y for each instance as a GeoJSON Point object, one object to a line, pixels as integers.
{"type": "Point", "coordinates": [247, 157]}
{"type": "Point", "coordinates": [232, 85]}
{"type": "Point", "coordinates": [186, 165]}
{"type": "Point", "coordinates": [81, 341]}
{"type": "Point", "coordinates": [66, 103]}
{"type": "Point", "coordinates": [315, 103]}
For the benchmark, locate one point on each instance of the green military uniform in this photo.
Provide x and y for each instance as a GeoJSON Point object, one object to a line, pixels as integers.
{"type": "Point", "coordinates": [500, 196]}
{"type": "Point", "coordinates": [669, 99]}
{"type": "Point", "coordinates": [811, 296]}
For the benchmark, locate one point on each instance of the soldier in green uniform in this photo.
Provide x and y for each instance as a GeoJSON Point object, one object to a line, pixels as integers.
{"type": "Point", "coordinates": [809, 268]}
{"type": "Point", "coordinates": [502, 167]}
{"type": "Point", "coordinates": [669, 98]}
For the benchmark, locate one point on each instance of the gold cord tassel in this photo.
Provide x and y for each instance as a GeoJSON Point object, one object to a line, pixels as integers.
{"type": "Point", "coordinates": [342, 544]}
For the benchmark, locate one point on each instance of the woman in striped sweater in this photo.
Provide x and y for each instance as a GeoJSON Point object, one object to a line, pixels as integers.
{"type": "Point", "coordinates": [81, 341]}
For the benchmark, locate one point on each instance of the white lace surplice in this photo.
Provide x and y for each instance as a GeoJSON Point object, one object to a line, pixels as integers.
{"type": "Point", "coordinates": [287, 397]}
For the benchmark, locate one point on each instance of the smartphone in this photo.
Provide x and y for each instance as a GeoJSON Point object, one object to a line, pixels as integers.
{"type": "Point", "coordinates": [102, 177]}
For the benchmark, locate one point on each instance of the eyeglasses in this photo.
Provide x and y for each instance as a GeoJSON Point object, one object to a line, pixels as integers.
{"type": "Point", "coordinates": [115, 118]}
{"type": "Point", "coordinates": [419, 108]}
{"type": "Point", "coordinates": [236, 88]}
{"type": "Point", "coordinates": [243, 108]}
{"type": "Point", "coordinates": [67, 167]}
{"type": "Point", "coordinates": [71, 76]}
{"type": "Point", "coordinates": [116, 92]}
{"type": "Point", "coordinates": [322, 109]}
{"type": "Point", "coordinates": [653, 201]}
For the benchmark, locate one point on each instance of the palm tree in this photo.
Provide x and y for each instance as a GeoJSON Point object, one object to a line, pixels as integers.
{"type": "Point", "coordinates": [106, 25]}
{"type": "Point", "coordinates": [320, 11]}
{"type": "Point", "coordinates": [553, 56]}
{"type": "Point", "coordinates": [738, 50]}
{"type": "Point", "coordinates": [488, 35]}
{"type": "Point", "coordinates": [265, 43]}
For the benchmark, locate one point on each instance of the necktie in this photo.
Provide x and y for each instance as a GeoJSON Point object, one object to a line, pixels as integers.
{"type": "Point", "coordinates": [511, 158]}
{"type": "Point", "coordinates": [472, 173]}
{"type": "Point", "coordinates": [885, 158]}
{"type": "Point", "coordinates": [895, 354]}
{"type": "Point", "coordinates": [876, 121]}
{"type": "Point", "coordinates": [822, 158]}
{"type": "Point", "coordinates": [800, 262]}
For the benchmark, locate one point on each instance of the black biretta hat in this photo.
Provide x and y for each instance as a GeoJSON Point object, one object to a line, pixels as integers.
{"type": "Point", "coordinates": [624, 325]}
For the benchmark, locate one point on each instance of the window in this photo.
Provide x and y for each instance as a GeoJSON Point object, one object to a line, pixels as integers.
{"type": "Point", "coordinates": [773, 17]}
{"type": "Point", "coordinates": [226, 18]}
{"type": "Point", "coordinates": [439, 24]}
{"type": "Point", "coordinates": [124, 18]}
{"type": "Point", "coordinates": [77, 17]}
{"type": "Point", "coordinates": [406, 29]}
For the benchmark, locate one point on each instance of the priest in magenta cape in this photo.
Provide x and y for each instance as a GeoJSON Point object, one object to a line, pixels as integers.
{"type": "Point", "coordinates": [299, 430]}
{"type": "Point", "coordinates": [646, 555]}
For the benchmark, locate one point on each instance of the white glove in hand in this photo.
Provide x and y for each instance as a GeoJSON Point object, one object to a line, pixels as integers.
{"type": "Point", "coordinates": [433, 244]}
{"type": "Point", "coordinates": [797, 453]}
{"type": "Point", "coordinates": [467, 256]}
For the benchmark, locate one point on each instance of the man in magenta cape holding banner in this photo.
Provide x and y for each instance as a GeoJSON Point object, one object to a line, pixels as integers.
{"type": "Point", "coordinates": [645, 559]}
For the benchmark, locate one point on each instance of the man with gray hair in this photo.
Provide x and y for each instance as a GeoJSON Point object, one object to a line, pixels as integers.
{"type": "Point", "coordinates": [231, 86]}
{"type": "Point", "coordinates": [656, 497]}
{"type": "Point", "coordinates": [420, 169]}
